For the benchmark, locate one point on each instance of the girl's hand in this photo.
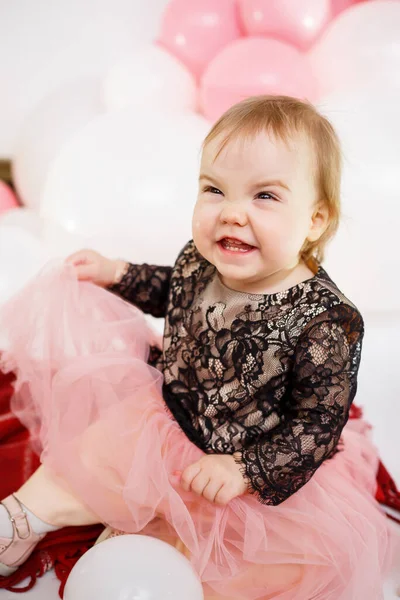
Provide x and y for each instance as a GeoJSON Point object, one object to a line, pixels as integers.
{"type": "Point", "coordinates": [216, 477]}
{"type": "Point", "coordinates": [92, 266]}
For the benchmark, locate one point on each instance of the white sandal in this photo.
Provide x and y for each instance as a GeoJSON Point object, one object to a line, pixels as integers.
{"type": "Point", "coordinates": [15, 551]}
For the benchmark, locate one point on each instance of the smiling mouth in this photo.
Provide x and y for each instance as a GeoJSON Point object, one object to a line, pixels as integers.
{"type": "Point", "coordinates": [233, 245]}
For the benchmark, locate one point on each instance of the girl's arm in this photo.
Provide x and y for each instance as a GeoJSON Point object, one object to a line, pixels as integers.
{"type": "Point", "coordinates": [145, 286]}
{"type": "Point", "coordinates": [326, 363]}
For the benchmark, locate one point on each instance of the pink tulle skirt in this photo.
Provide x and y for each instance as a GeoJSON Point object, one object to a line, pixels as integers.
{"type": "Point", "coordinates": [96, 413]}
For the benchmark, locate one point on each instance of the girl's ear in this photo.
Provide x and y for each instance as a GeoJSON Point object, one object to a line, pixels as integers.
{"type": "Point", "coordinates": [319, 223]}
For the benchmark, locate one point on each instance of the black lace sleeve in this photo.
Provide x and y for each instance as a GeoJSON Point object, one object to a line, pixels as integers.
{"type": "Point", "coordinates": [145, 286]}
{"type": "Point", "coordinates": [324, 383]}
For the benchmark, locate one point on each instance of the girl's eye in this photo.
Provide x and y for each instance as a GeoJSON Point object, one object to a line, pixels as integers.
{"type": "Point", "coordinates": [266, 196]}
{"type": "Point", "coordinates": [212, 190]}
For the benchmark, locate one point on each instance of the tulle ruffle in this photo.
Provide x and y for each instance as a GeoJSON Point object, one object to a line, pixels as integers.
{"type": "Point", "coordinates": [95, 410]}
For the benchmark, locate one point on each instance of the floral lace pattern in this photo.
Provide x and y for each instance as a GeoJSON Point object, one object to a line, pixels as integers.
{"type": "Point", "coordinates": [146, 286]}
{"type": "Point", "coordinates": [269, 377]}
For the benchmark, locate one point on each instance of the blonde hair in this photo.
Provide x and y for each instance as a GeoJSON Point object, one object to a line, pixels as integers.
{"type": "Point", "coordinates": [285, 117]}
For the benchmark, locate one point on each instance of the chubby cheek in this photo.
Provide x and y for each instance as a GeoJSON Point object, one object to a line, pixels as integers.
{"type": "Point", "coordinates": [203, 225]}
{"type": "Point", "coordinates": [280, 237]}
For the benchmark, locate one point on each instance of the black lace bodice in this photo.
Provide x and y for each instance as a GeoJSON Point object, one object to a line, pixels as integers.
{"type": "Point", "coordinates": [268, 377]}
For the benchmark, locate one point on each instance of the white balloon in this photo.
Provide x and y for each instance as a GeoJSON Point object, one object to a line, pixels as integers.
{"type": "Point", "coordinates": [50, 44]}
{"type": "Point", "coordinates": [55, 241]}
{"type": "Point", "coordinates": [46, 129]}
{"type": "Point", "coordinates": [21, 256]}
{"type": "Point", "coordinates": [150, 77]}
{"type": "Point", "coordinates": [60, 243]}
{"type": "Point", "coordinates": [360, 46]}
{"type": "Point", "coordinates": [23, 218]}
{"type": "Point", "coordinates": [133, 567]}
{"type": "Point", "coordinates": [134, 182]}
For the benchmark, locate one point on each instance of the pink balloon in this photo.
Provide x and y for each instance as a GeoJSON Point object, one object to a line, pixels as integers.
{"type": "Point", "coordinates": [196, 30]}
{"type": "Point", "coordinates": [360, 48]}
{"type": "Point", "coordinates": [8, 199]}
{"type": "Point", "coordinates": [339, 6]}
{"type": "Point", "coordinates": [298, 22]}
{"type": "Point", "coordinates": [253, 66]}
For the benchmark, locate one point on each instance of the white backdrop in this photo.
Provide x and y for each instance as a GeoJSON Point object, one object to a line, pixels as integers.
{"type": "Point", "coordinates": [104, 132]}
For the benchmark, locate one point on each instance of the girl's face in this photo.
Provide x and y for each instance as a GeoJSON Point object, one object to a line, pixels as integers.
{"type": "Point", "coordinates": [256, 206]}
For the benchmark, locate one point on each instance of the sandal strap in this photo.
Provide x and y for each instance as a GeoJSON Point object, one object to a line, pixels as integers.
{"type": "Point", "coordinates": [17, 516]}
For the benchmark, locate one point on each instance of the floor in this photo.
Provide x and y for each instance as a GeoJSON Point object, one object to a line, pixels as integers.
{"type": "Point", "coordinates": [47, 588]}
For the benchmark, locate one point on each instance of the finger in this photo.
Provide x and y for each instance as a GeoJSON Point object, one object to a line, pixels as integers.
{"type": "Point", "coordinates": [176, 477]}
{"type": "Point", "coordinates": [79, 258]}
{"type": "Point", "coordinates": [86, 272]}
{"type": "Point", "coordinates": [76, 258]}
{"type": "Point", "coordinates": [199, 483]}
{"type": "Point", "coordinates": [224, 495]}
{"type": "Point", "coordinates": [189, 474]}
{"type": "Point", "coordinates": [211, 490]}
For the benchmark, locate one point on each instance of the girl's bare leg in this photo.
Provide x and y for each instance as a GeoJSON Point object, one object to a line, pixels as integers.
{"type": "Point", "coordinates": [51, 500]}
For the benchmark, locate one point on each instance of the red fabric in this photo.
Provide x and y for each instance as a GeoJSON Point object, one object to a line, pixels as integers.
{"type": "Point", "coordinates": [387, 493]}
{"type": "Point", "coordinates": [61, 549]}
{"type": "Point", "coordinates": [17, 460]}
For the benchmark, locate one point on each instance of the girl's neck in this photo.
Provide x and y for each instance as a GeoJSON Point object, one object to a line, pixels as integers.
{"type": "Point", "coordinates": [280, 281]}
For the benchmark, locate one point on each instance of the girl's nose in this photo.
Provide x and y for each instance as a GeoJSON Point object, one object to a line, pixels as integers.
{"type": "Point", "coordinates": [233, 214]}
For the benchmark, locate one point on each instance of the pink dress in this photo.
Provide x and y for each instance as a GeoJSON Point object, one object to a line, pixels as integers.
{"type": "Point", "coordinates": [96, 412]}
